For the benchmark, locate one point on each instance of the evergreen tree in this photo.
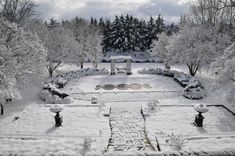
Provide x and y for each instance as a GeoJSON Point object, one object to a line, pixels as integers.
{"type": "Point", "coordinates": [172, 29]}
{"type": "Point", "coordinates": [101, 24]}
{"type": "Point", "coordinates": [151, 31]}
{"type": "Point", "coordinates": [159, 24]}
{"type": "Point", "coordinates": [107, 46]}
{"type": "Point", "coordinates": [127, 33]}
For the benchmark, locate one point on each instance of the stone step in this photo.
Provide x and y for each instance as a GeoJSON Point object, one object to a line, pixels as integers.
{"type": "Point", "coordinates": [127, 131]}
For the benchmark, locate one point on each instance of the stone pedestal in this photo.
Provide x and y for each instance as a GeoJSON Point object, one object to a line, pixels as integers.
{"type": "Point", "coordinates": [58, 120]}
{"type": "Point", "coordinates": [199, 120]}
{"type": "Point", "coordinates": [112, 67]}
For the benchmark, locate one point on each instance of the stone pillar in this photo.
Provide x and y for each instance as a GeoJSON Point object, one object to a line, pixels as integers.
{"type": "Point", "coordinates": [112, 67]}
{"type": "Point", "coordinates": [128, 67]}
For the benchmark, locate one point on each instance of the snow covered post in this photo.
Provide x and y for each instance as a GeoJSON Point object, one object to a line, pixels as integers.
{"type": "Point", "coordinates": [2, 102]}
{"type": "Point", "coordinates": [112, 66]}
{"type": "Point", "coordinates": [128, 66]}
{"type": "Point", "coordinates": [200, 108]}
{"type": "Point", "coordinates": [58, 119]}
{"type": "Point", "coordinates": [94, 100]}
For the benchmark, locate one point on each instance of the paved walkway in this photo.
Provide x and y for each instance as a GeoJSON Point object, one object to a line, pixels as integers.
{"type": "Point", "coordinates": [127, 128]}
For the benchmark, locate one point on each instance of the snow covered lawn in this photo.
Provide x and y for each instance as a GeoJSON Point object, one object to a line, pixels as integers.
{"type": "Point", "coordinates": [161, 87]}
{"type": "Point", "coordinates": [157, 83]}
{"type": "Point", "coordinates": [218, 131]}
{"type": "Point", "coordinates": [34, 130]}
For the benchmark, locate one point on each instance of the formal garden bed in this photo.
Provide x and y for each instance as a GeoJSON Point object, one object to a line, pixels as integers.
{"type": "Point", "coordinates": [193, 88]}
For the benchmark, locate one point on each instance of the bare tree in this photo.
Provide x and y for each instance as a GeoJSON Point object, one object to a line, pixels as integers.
{"type": "Point", "coordinates": [61, 46]}
{"type": "Point", "coordinates": [213, 12]}
{"type": "Point", "coordinates": [17, 11]}
{"type": "Point", "coordinates": [192, 46]}
{"type": "Point", "coordinates": [80, 28]}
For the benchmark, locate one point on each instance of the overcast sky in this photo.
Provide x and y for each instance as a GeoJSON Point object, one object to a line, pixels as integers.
{"type": "Point", "coordinates": [67, 9]}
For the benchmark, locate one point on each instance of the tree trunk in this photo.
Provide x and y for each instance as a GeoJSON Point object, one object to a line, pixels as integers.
{"type": "Point", "coordinates": [2, 109]}
{"type": "Point", "coordinates": [193, 68]}
{"type": "Point", "coordinates": [50, 70]}
{"type": "Point", "coordinates": [191, 72]}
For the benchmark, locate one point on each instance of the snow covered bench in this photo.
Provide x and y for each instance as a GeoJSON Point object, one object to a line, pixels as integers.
{"type": "Point", "coordinates": [121, 69]}
{"type": "Point", "coordinates": [61, 82]}
{"type": "Point", "coordinates": [182, 78]}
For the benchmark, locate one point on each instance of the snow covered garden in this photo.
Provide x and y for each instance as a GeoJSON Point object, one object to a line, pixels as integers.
{"type": "Point", "coordinates": [126, 86]}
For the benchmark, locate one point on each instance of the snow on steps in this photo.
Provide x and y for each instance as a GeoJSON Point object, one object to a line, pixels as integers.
{"type": "Point", "coordinates": [127, 129]}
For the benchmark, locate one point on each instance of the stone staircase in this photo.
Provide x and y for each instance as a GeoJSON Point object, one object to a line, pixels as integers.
{"type": "Point", "coordinates": [127, 130]}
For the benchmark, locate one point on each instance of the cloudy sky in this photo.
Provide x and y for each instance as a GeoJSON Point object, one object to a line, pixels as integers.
{"type": "Point", "coordinates": [67, 9]}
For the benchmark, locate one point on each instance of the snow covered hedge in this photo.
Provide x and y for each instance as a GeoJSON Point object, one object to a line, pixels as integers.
{"type": "Point", "coordinates": [193, 87]}
{"type": "Point", "coordinates": [158, 71]}
{"type": "Point", "coordinates": [82, 72]}
{"type": "Point", "coordinates": [194, 90]}
{"type": "Point", "coordinates": [52, 95]}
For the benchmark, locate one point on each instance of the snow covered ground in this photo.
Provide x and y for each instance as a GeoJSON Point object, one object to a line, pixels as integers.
{"type": "Point", "coordinates": [32, 131]}
{"type": "Point", "coordinates": [219, 125]}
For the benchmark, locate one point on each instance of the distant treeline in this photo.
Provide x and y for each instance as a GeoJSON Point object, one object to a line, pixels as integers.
{"type": "Point", "coordinates": [128, 33]}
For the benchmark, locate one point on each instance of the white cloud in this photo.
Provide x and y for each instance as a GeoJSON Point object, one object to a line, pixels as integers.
{"type": "Point", "coordinates": [68, 9]}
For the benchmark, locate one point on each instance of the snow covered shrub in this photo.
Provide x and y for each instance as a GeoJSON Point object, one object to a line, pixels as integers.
{"type": "Point", "coordinates": [86, 146]}
{"type": "Point", "coordinates": [224, 66]}
{"type": "Point", "coordinates": [153, 105]}
{"type": "Point", "coordinates": [50, 94]}
{"type": "Point", "coordinates": [194, 90]}
{"type": "Point", "coordinates": [231, 96]}
{"type": "Point", "coordinates": [101, 108]}
{"type": "Point", "coordinates": [43, 94]}
{"type": "Point", "coordinates": [229, 70]}
{"type": "Point", "coordinates": [176, 141]}
{"type": "Point", "coordinates": [224, 70]}
{"type": "Point", "coordinates": [168, 72]}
